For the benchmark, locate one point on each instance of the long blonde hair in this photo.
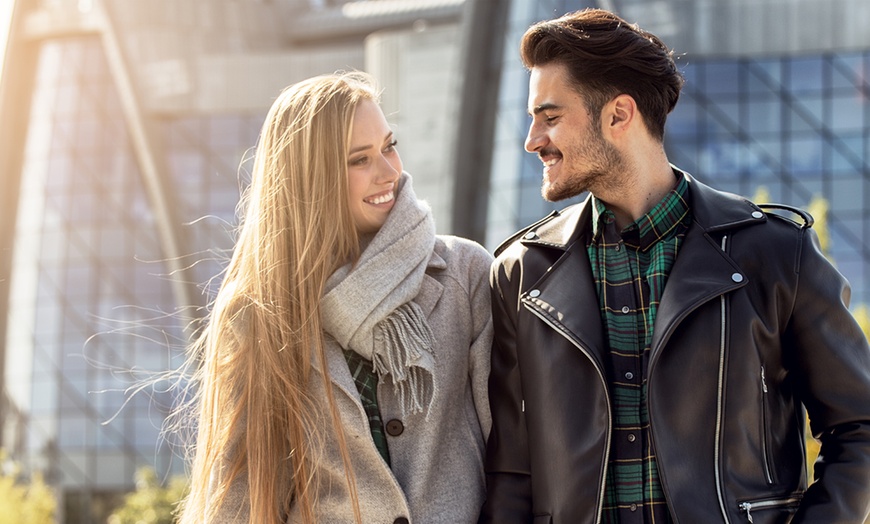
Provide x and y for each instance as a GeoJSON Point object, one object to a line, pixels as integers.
{"type": "Point", "coordinates": [256, 417]}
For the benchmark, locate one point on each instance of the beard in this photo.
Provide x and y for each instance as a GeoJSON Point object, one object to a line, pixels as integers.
{"type": "Point", "coordinates": [601, 168]}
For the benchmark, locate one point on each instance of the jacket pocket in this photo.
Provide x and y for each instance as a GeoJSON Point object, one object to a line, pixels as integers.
{"type": "Point", "coordinates": [765, 432]}
{"type": "Point", "coordinates": [757, 507]}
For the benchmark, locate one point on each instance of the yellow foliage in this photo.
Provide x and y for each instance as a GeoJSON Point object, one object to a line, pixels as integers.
{"type": "Point", "coordinates": [151, 503]}
{"type": "Point", "coordinates": [819, 209]}
{"type": "Point", "coordinates": [32, 503]}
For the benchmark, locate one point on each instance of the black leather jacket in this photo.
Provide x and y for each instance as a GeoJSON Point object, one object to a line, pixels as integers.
{"type": "Point", "coordinates": [752, 325]}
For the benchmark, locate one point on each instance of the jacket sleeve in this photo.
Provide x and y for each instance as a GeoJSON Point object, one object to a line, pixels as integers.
{"type": "Point", "coordinates": [508, 476]}
{"type": "Point", "coordinates": [833, 374]}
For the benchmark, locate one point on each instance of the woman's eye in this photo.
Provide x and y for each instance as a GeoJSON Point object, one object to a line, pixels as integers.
{"type": "Point", "coordinates": [359, 161]}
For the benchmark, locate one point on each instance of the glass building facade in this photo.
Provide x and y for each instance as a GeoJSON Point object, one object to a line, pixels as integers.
{"type": "Point", "coordinates": [92, 311]}
{"type": "Point", "coordinates": [796, 128]}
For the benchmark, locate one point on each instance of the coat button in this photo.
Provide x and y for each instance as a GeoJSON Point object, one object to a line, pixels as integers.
{"type": "Point", "coordinates": [535, 293]}
{"type": "Point", "coordinates": [757, 214]}
{"type": "Point", "coordinates": [737, 277]}
{"type": "Point", "coordinates": [631, 437]}
{"type": "Point", "coordinates": [395, 428]}
{"type": "Point", "coordinates": [531, 235]}
{"type": "Point", "coordinates": [626, 310]}
{"type": "Point", "coordinates": [400, 520]}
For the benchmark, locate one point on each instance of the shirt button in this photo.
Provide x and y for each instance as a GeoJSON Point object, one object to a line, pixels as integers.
{"type": "Point", "coordinates": [626, 309]}
{"type": "Point", "coordinates": [530, 235]}
{"type": "Point", "coordinates": [629, 375]}
{"type": "Point", "coordinates": [631, 437]}
{"type": "Point", "coordinates": [395, 427]}
{"type": "Point", "coordinates": [633, 507]}
{"type": "Point", "coordinates": [617, 247]}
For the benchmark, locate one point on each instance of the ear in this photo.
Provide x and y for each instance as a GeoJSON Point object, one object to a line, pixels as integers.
{"type": "Point", "coordinates": [619, 115]}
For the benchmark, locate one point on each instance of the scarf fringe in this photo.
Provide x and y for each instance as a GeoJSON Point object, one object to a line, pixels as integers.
{"type": "Point", "coordinates": [406, 337]}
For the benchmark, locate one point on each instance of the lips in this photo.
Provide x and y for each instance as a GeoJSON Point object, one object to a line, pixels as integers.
{"type": "Point", "coordinates": [381, 198]}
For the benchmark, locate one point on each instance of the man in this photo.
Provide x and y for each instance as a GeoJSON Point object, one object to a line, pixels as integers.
{"type": "Point", "coordinates": [655, 344]}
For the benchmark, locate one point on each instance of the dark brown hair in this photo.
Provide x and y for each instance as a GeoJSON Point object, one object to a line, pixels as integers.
{"type": "Point", "coordinates": [606, 56]}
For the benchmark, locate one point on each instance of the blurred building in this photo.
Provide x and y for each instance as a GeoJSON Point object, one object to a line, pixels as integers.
{"type": "Point", "coordinates": [126, 133]}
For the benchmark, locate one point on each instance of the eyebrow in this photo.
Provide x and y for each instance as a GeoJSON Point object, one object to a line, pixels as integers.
{"type": "Point", "coordinates": [357, 149]}
{"type": "Point", "coordinates": [543, 107]}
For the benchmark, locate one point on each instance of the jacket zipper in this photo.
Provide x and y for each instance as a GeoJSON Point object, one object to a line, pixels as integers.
{"type": "Point", "coordinates": [748, 506]}
{"type": "Point", "coordinates": [768, 471]}
{"type": "Point", "coordinates": [569, 336]}
{"type": "Point", "coordinates": [719, 402]}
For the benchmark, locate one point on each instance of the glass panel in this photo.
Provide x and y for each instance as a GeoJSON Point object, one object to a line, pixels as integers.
{"type": "Point", "coordinates": [805, 75]}
{"type": "Point", "coordinates": [721, 78]}
{"type": "Point", "coordinates": [847, 113]}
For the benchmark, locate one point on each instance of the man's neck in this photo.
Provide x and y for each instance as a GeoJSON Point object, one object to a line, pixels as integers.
{"type": "Point", "coordinates": [647, 187]}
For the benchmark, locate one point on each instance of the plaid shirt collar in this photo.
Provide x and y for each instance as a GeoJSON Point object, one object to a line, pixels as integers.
{"type": "Point", "coordinates": [643, 233]}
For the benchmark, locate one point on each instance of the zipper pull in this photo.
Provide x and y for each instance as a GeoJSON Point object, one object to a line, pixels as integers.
{"type": "Point", "coordinates": [747, 507]}
{"type": "Point", "coordinates": [763, 381]}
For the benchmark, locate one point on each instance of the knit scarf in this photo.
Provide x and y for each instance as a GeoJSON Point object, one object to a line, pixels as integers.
{"type": "Point", "coordinates": [368, 307]}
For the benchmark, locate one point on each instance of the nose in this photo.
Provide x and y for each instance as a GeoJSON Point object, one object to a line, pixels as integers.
{"type": "Point", "coordinates": [535, 139]}
{"type": "Point", "coordinates": [390, 171]}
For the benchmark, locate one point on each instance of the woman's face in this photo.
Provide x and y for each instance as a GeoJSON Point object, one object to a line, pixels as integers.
{"type": "Point", "coordinates": [373, 168]}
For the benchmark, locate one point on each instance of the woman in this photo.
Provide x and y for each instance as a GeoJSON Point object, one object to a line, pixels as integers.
{"type": "Point", "coordinates": [342, 375]}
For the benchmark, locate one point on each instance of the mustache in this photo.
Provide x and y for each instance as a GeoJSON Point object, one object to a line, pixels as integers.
{"type": "Point", "coordinates": [548, 151]}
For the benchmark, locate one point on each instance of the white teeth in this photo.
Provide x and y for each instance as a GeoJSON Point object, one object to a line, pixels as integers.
{"type": "Point", "coordinates": [381, 199]}
{"type": "Point", "coordinates": [551, 162]}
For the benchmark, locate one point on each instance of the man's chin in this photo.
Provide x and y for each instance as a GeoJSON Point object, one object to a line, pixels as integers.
{"type": "Point", "coordinates": [555, 193]}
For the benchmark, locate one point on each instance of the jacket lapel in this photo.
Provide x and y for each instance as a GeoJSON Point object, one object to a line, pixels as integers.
{"type": "Point", "coordinates": [566, 291]}
{"type": "Point", "coordinates": [703, 270]}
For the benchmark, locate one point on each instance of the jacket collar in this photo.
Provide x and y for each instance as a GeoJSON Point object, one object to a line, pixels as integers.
{"type": "Point", "coordinates": [701, 272]}
{"type": "Point", "coordinates": [712, 210]}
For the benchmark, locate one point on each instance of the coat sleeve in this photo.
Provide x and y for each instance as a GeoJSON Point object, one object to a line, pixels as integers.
{"type": "Point", "coordinates": [481, 344]}
{"type": "Point", "coordinates": [508, 475]}
{"type": "Point", "coordinates": [833, 374]}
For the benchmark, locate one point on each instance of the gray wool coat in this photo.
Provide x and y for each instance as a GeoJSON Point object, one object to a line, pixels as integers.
{"type": "Point", "coordinates": [437, 462]}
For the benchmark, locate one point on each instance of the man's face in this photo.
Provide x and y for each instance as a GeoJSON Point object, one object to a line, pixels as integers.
{"type": "Point", "coordinates": [566, 137]}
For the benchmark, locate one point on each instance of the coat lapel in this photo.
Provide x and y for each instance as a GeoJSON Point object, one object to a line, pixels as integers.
{"type": "Point", "coordinates": [431, 289]}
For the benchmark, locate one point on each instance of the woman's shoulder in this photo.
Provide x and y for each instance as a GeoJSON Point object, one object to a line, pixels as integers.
{"type": "Point", "coordinates": [461, 251]}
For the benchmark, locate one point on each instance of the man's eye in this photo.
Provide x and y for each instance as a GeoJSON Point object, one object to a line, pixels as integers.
{"type": "Point", "coordinates": [391, 146]}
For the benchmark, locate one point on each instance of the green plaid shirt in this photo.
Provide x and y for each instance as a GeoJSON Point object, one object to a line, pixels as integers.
{"type": "Point", "coordinates": [366, 381]}
{"type": "Point", "coordinates": [630, 270]}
